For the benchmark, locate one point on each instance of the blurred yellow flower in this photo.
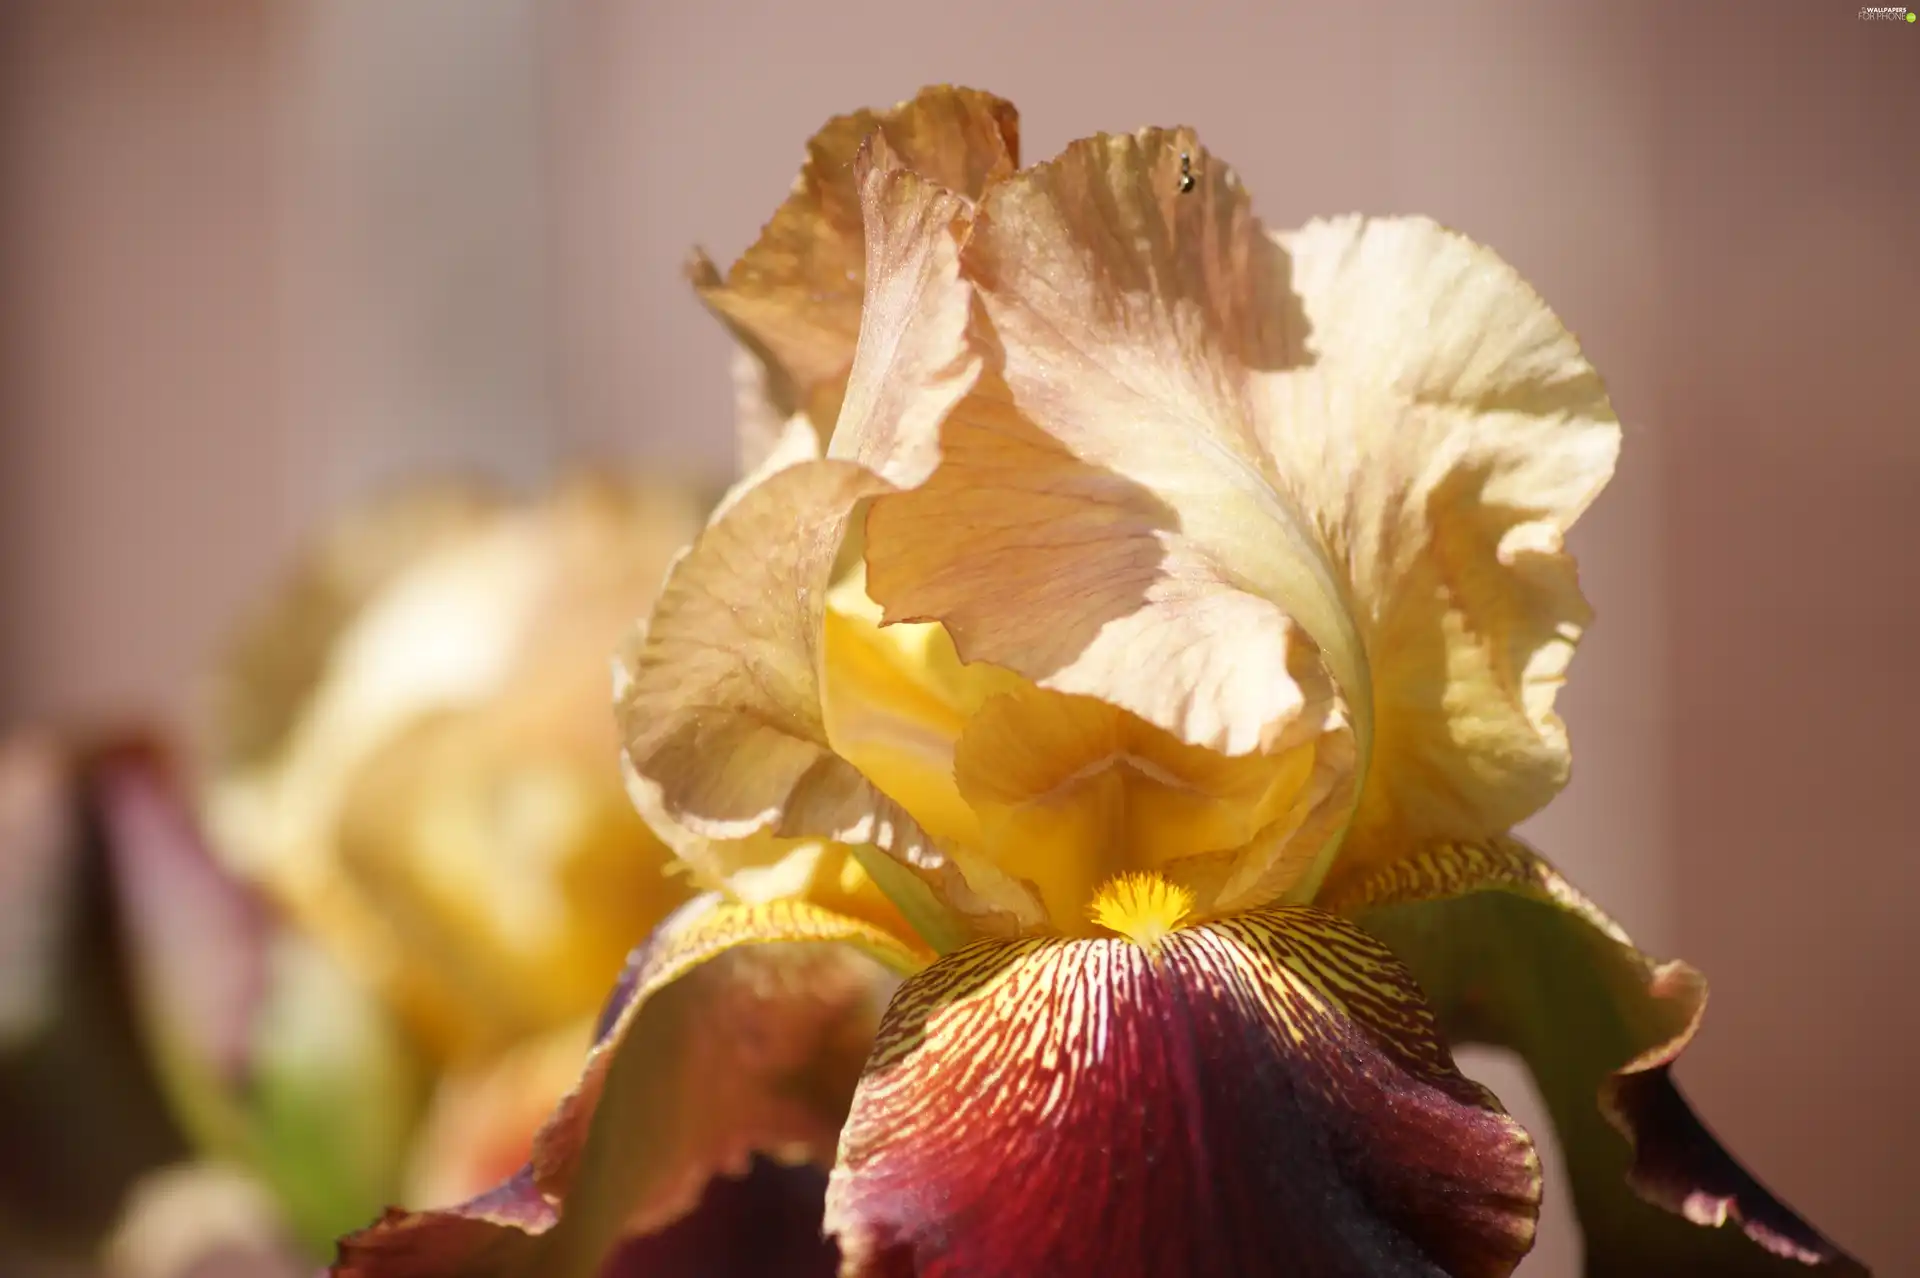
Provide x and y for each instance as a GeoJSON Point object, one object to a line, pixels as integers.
{"type": "Point", "coordinates": [412, 753]}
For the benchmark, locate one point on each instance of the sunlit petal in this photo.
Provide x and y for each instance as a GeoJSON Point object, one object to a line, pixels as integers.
{"type": "Point", "coordinates": [1445, 435]}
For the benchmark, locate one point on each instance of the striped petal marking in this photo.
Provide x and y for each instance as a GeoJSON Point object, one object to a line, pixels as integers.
{"type": "Point", "coordinates": [1266, 1093]}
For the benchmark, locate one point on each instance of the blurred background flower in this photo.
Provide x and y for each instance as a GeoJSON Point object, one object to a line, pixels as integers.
{"type": "Point", "coordinates": [263, 262]}
{"type": "Point", "coordinates": [373, 970]}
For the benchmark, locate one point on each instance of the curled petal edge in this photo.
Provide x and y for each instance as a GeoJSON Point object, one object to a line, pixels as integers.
{"type": "Point", "coordinates": [624, 1153]}
{"type": "Point", "coordinates": [1513, 955]}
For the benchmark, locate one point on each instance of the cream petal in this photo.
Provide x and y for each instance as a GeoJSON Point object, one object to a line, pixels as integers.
{"type": "Point", "coordinates": [1132, 319]}
{"type": "Point", "coordinates": [1446, 435]}
{"type": "Point", "coordinates": [719, 699]}
{"type": "Point", "coordinates": [1201, 456]}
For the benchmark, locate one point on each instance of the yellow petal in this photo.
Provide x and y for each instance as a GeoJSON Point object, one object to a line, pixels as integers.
{"type": "Point", "coordinates": [1070, 792]}
{"type": "Point", "coordinates": [1446, 435]}
{"type": "Point", "coordinates": [794, 298]}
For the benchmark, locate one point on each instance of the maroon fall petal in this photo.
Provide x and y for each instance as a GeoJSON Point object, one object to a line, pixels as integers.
{"type": "Point", "coordinates": [1265, 1094]}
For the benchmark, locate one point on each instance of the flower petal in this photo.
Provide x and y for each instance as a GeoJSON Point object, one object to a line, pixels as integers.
{"type": "Point", "coordinates": [735, 1030]}
{"type": "Point", "coordinates": [720, 700]}
{"type": "Point", "coordinates": [1261, 1093]}
{"type": "Point", "coordinates": [1104, 520]}
{"type": "Point", "coordinates": [83, 1113]}
{"type": "Point", "coordinates": [1514, 956]}
{"type": "Point", "coordinates": [1446, 435]}
{"type": "Point", "coordinates": [765, 1224]}
{"type": "Point", "coordinates": [794, 298]}
{"type": "Point", "coordinates": [1199, 448]}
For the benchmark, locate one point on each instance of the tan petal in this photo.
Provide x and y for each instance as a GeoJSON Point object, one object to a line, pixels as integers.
{"type": "Point", "coordinates": [1447, 434]}
{"type": "Point", "coordinates": [1103, 518]}
{"type": "Point", "coordinates": [1201, 455]}
{"type": "Point", "coordinates": [1118, 468]}
{"type": "Point", "coordinates": [794, 298]}
{"type": "Point", "coordinates": [721, 699]}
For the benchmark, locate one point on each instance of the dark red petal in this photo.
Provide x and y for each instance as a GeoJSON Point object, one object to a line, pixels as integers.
{"type": "Point", "coordinates": [1678, 1164]}
{"type": "Point", "coordinates": [1512, 955]}
{"type": "Point", "coordinates": [492, 1236]}
{"type": "Point", "coordinates": [765, 1224]}
{"type": "Point", "coordinates": [1266, 1095]}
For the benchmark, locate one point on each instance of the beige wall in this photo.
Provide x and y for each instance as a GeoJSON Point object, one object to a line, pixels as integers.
{"type": "Point", "coordinates": [261, 258]}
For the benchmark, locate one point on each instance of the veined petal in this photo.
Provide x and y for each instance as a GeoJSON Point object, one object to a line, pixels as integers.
{"type": "Point", "coordinates": [794, 299]}
{"type": "Point", "coordinates": [1513, 955]}
{"type": "Point", "coordinates": [1112, 462]}
{"type": "Point", "coordinates": [735, 1030]}
{"type": "Point", "coordinates": [1103, 518]}
{"type": "Point", "coordinates": [1265, 1093]}
{"type": "Point", "coordinates": [721, 699]}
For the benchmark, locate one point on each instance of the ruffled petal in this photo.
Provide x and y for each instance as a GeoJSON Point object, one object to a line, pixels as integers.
{"type": "Point", "coordinates": [1102, 518]}
{"type": "Point", "coordinates": [1514, 956]}
{"type": "Point", "coordinates": [721, 699]}
{"type": "Point", "coordinates": [1266, 1093]}
{"type": "Point", "coordinates": [735, 1030]}
{"type": "Point", "coordinates": [1446, 434]}
{"type": "Point", "coordinates": [794, 299]}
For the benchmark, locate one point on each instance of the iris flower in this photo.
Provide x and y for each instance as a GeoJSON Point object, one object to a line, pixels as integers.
{"type": "Point", "coordinates": [1139, 641]}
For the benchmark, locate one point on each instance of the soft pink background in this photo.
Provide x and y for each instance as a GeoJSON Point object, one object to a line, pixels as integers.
{"type": "Point", "coordinates": [257, 259]}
